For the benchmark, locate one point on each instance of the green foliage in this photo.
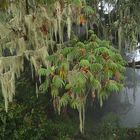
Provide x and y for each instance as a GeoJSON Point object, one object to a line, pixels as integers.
{"type": "Point", "coordinates": [71, 72]}
{"type": "Point", "coordinates": [109, 123]}
{"type": "Point", "coordinates": [95, 83]}
{"type": "Point", "coordinates": [22, 123]}
{"type": "Point", "coordinates": [88, 11]}
{"type": "Point", "coordinates": [84, 63]}
{"type": "Point", "coordinates": [112, 86]}
{"type": "Point", "coordinates": [96, 67]}
{"type": "Point", "coordinates": [54, 92]}
{"type": "Point", "coordinates": [57, 81]}
{"type": "Point", "coordinates": [76, 2]}
{"type": "Point", "coordinates": [84, 67]}
{"type": "Point", "coordinates": [44, 72]}
{"type": "Point", "coordinates": [28, 118]}
{"type": "Point", "coordinates": [74, 104]}
{"type": "Point", "coordinates": [43, 87]}
{"type": "Point", "coordinates": [64, 100]}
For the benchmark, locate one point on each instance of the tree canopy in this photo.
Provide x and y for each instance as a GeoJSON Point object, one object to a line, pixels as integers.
{"type": "Point", "coordinates": [70, 69]}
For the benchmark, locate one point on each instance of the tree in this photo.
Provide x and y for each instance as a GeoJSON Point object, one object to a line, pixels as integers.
{"type": "Point", "coordinates": [81, 69]}
{"type": "Point", "coordinates": [120, 24]}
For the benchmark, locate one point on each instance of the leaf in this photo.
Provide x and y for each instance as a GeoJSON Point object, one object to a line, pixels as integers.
{"type": "Point", "coordinates": [76, 2]}
{"type": "Point", "coordinates": [74, 104]}
{"type": "Point", "coordinates": [64, 100]}
{"type": "Point", "coordinates": [54, 92]}
{"type": "Point", "coordinates": [121, 68]}
{"type": "Point", "coordinates": [112, 65]}
{"type": "Point", "coordinates": [57, 81]}
{"type": "Point", "coordinates": [104, 44]}
{"type": "Point", "coordinates": [80, 45]}
{"type": "Point", "coordinates": [102, 50]}
{"type": "Point", "coordinates": [65, 65]}
{"type": "Point", "coordinates": [52, 58]}
{"type": "Point", "coordinates": [100, 60]}
{"type": "Point", "coordinates": [84, 63]}
{"type": "Point", "coordinates": [75, 54]}
{"type": "Point", "coordinates": [42, 71]}
{"type": "Point", "coordinates": [44, 86]}
{"type": "Point", "coordinates": [46, 72]}
{"type": "Point", "coordinates": [79, 83]}
{"type": "Point", "coordinates": [91, 58]}
{"type": "Point", "coordinates": [96, 67]}
{"type": "Point", "coordinates": [88, 10]}
{"type": "Point", "coordinates": [68, 86]}
{"type": "Point", "coordinates": [95, 83]}
{"type": "Point", "coordinates": [90, 32]}
{"type": "Point", "coordinates": [66, 50]}
{"type": "Point", "coordinates": [112, 86]}
{"type": "Point", "coordinates": [102, 95]}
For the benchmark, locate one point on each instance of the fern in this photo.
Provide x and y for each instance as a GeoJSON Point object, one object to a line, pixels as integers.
{"type": "Point", "coordinates": [76, 2]}
{"type": "Point", "coordinates": [44, 86]}
{"type": "Point", "coordinates": [91, 58]}
{"type": "Point", "coordinates": [100, 60]}
{"type": "Point", "coordinates": [88, 10]}
{"type": "Point", "coordinates": [121, 68]}
{"type": "Point", "coordinates": [102, 50]}
{"type": "Point", "coordinates": [75, 54]}
{"type": "Point", "coordinates": [68, 86]}
{"type": "Point", "coordinates": [46, 72]}
{"type": "Point", "coordinates": [57, 81]}
{"type": "Point", "coordinates": [52, 58]}
{"type": "Point", "coordinates": [65, 65]}
{"type": "Point", "coordinates": [95, 83]}
{"type": "Point", "coordinates": [96, 67]}
{"type": "Point", "coordinates": [64, 100]}
{"type": "Point", "coordinates": [84, 63]}
{"type": "Point", "coordinates": [54, 92]}
{"type": "Point", "coordinates": [74, 104]}
{"type": "Point", "coordinates": [42, 71]}
{"type": "Point", "coordinates": [102, 95]}
{"type": "Point", "coordinates": [112, 65]}
{"type": "Point", "coordinates": [112, 86]}
{"type": "Point", "coordinates": [66, 51]}
{"type": "Point", "coordinates": [80, 45]}
{"type": "Point", "coordinates": [105, 44]}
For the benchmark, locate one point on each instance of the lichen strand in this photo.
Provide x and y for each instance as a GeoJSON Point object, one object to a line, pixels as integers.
{"type": "Point", "coordinates": [30, 36]}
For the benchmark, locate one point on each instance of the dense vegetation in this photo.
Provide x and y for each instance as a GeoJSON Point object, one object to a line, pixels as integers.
{"type": "Point", "coordinates": [43, 51]}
